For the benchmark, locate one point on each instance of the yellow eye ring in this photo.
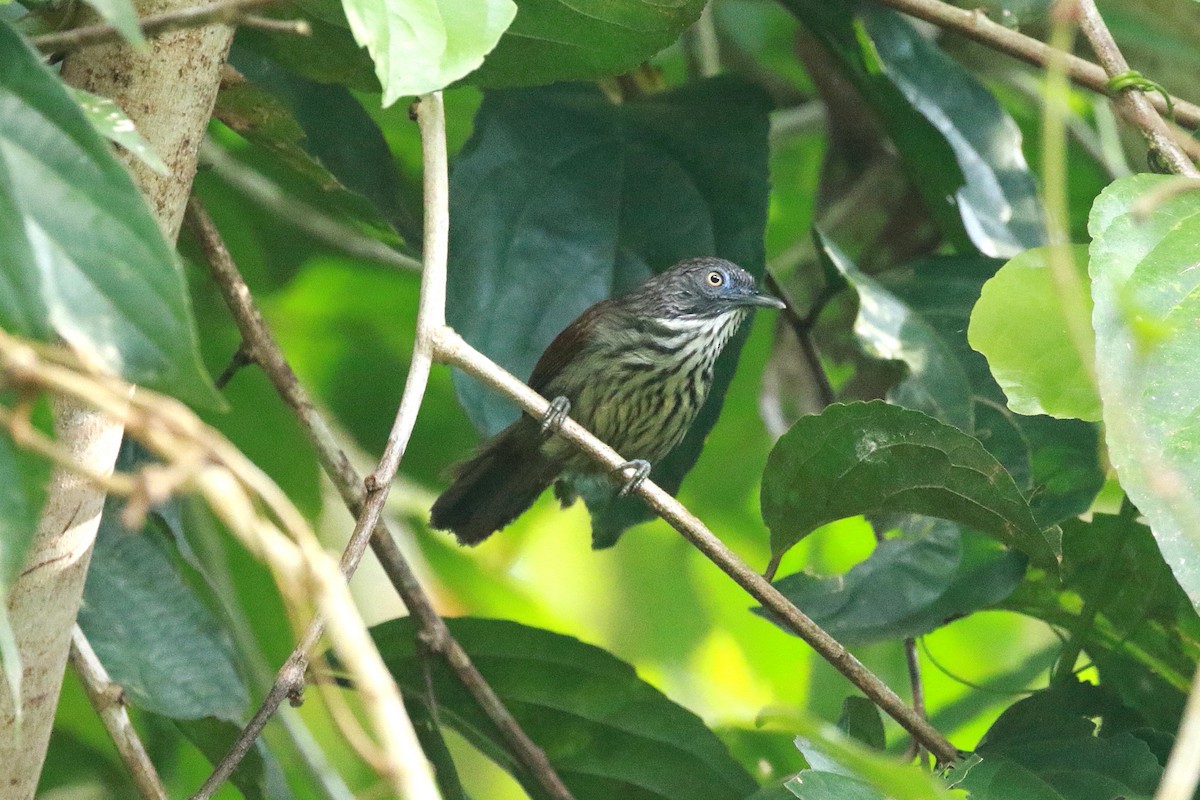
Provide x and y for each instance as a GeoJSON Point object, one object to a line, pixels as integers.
{"type": "Point", "coordinates": [715, 278]}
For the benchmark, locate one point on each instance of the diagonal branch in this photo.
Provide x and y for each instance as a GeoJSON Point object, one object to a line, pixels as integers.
{"type": "Point", "coordinates": [452, 349]}
{"type": "Point", "coordinates": [107, 699]}
{"type": "Point", "coordinates": [265, 351]}
{"type": "Point", "coordinates": [1135, 106]}
{"type": "Point", "coordinates": [975, 25]}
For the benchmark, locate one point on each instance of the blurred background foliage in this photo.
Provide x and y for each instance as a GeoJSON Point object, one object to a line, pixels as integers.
{"type": "Point", "coordinates": [867, 157]}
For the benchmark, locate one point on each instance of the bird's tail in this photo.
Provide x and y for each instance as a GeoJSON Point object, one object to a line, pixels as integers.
{"type": "Point", "coordinates": [495, 485]}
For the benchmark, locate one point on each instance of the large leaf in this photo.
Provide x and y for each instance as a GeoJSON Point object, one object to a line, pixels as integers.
{"type": "Point", "coordinates": [121, 15]}
{"type": "Point", "coordinates": [561, 199]}
{"type": "Point", "coordinates": [80, 255]}
{"type": "Point", "coordinates": [908, 587]}
{"type": "Point", "coordinates": [1019, 325]}
{"type": "Point", "coordinates": [1047, 747]}
{"type": "Point", "coordinates": [422, 45]}
{"type": "Point", "coordinates": [558, 40]}
{"type": "Point", "coordinates": [115, 125]}
{"type": "Point", "coordinates": [607, 733]}
{"type": "Point", "coordinates": [961, 148]}
{"type": "Point", "coordinates": [889, 329]}
{"type": "Point", "coordinates": [865, 458]}
{"type": "Point", "coordinates": [1146, 290]}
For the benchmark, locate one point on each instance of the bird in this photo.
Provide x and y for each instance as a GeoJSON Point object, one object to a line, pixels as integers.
{"type": "Point", "coordinates": [634, 370]}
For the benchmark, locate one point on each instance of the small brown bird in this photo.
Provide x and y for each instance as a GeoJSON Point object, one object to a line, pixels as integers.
{"type": "Point", "coordinates": [634, 370]}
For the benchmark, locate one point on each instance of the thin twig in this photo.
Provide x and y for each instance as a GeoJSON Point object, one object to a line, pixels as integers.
{"type": "Point", "coordinates": [227, 11]}
{"type": "Point", "coordinates": [310, 220]}
{"type": "Point", "coordinates": [1182, 773]}
{"type": "Point", "coordinates": [265, 351]}
{"type": "Point", "coordinates": [453, 350]}
{"type": "Point", "coordinates": [295, 27]}
{"type": "Point", "coordinates": [1135, 106]}
{"type": "Point", "coordinates": [975, 25]}
{"type": "Point", "coordinates": [107, 699]}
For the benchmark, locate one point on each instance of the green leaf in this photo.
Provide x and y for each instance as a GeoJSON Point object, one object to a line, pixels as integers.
{"type": "Point", "coordinates": [1048, 745]}
{"type": "Point", "coordinates": [865, 458]}
{"type": "Point", "coordinates": [1146, 290]}
{"type": "Point", "coordinates": [115, 125]}
{"type": "Point", "coordinates": [80, 255]}
{"type": "Point", "coordinates": [961, 149]}
{"type": "Point", "coordinates": [420, 46]}
{"type": "Point", "coordinates": [909, 586]}
{"type": "Point", "coordinates": [860, 720]}
{"type": "Point", "coordinates": [170, 657]}
{"type": "Point", "coordinates": [607, 196]}
{"type": "Point", "coordinates": [23, 479]}
{"type": "Point", "coordinates": [560, 40]}
{"type": "Point", "coordinates": [813, 785]}
{"type": "Point", "coordinates": [607, 733]}
{"type": "Point", "coordinates": [937, 383]}
{"type": "Point", "coordinates": [1055, 462]}
{"type": "Point", "coordinates": [1019, 325]}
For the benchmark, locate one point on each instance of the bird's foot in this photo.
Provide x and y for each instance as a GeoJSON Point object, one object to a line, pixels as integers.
{"type": "Point", "coordinates": [555, 415]}
{"type": "Point", "coordinates": [635, 473]}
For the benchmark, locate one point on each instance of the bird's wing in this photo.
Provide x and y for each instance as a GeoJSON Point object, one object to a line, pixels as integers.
{"type": "Point", "coordinates": [567, 345]}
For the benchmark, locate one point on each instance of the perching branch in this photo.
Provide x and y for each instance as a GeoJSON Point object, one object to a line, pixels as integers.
{"type": "Point", "coordinates": [226, 11]}
{"type": "Point", "coordinates": [264, 351]}
{"type": "Point", "coordinates": [975, 25]}
{"type": "Point", "coordinates": [452, 349]}
{"type": "Point", "coordinates": [107, 700]}
{"type": "Point", "coordinates": [1134, 105]}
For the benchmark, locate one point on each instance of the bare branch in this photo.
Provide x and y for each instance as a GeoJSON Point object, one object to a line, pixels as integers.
{"type": "Point", "coordinates": [976, 25]}
{"type": "Point", "coordinates": [223, 11]}
{"type": "Point", "coordinates": [453, 350]}
{"type": "Point", "coordinates": [106, 698]}
{"type": "Point", "coordinates": [1134, 105]}
{"type": "Point", "coordinates": [1182, 773]}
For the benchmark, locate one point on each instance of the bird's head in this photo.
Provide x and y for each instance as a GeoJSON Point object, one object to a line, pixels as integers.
{"type": "Point", "coordinates": [708, 287]}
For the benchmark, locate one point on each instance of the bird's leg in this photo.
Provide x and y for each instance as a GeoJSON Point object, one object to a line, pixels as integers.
{"type": "Point", "coordinates": [553, 419]}
{"type": "Point", "coordinates": [635, 473]}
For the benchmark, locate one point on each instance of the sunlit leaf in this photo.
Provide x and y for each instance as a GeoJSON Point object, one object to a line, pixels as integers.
{"type": "Point", "coordinates": [607, 733]}
{"type": "Point", "coordinates": [1019, 325]}
{"type": "Point", "coordinates": [423, 45]}
{"type": "Point", "coordinates": [865, 458]}
{"type": "Point", "coordinates": [961, 148]}
{"type": "Point", "coordinates": [115, 125]}
{"type": "Point", "coordinates": [607, 195]}
{"type": "Point", "coordinates": [121, 15]}
{"type": "Point", "coordinates": [1146, 290]}
{"type": "Point", "coordinates": [80, 255]}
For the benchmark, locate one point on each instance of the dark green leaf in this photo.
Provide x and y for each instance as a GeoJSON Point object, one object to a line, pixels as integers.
{"type": "Point", "coordinates": [937, 382]}
{"type": "Point", "coordinates": [1146, 290]}
{"type": "Point", "coordinates": [813, 785]}
{"type": "Point", "coordinates": [171, 656]}
{"type": "Point", "coordinates": [607, 733]}
{"type": "Point", "coordinates": [860, 720]}
{"type": "Point", "coordinates": [1049, 738]}
{"type": "Point", "coordinates": [559, 40]}
{"type": "Point", "coordinates": [606, 196]}
{"type": "Point", "coordinates": [80, 255]}
{"type": "Point", "coordinates": [433, 745]}
{"type": "Point", "coordinates": [328, 55]}
{"type": "Point", "coordinates": [909, 586]}
{"type": "Point", "coordinates": [866, 458]}
{"type": "Point", "coordinates": [419, 46]}
{"type": "Point", "coordinates": [961, 148]}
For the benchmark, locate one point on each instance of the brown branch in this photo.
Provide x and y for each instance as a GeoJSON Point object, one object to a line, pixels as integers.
{"type": "Point", "coordinates": [453, 350]}
{"type": "Point", "coordinates": [265, 351]}
{"type": "Point", "coordinates": [1134, 105]}
{"type": "Point", "coordinates": [223, 11]}
{"type": "Point", "coordinates": [976, 25]}
{"type": "Point", "coordinates": [107, 699]}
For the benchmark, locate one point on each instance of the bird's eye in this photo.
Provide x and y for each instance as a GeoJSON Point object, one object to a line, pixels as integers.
{"type": "Point", "coordinates": [715, 278]}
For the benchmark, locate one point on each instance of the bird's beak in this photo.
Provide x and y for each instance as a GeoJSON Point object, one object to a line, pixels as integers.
{"type": "Point", "coordinates": [763, 300]}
